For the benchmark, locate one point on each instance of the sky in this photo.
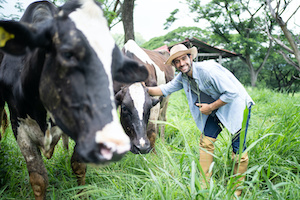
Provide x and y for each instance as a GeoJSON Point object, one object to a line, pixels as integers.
{"type": "Point", "coordinates": [149, 16]}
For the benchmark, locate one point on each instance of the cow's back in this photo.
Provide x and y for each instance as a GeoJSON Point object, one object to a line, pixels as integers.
{"type": "Point", "coordinates": [160, 69]}
{"type": "Point", "coordinates": [159, 72]}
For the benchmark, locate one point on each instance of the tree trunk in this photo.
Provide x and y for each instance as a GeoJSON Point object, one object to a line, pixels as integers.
{"type": "Point", "coordinates": [253, 73]}
{"type": "Point", "coordinates": [253, 78]}
{"type": "Point", "coordinates": [127, 18]}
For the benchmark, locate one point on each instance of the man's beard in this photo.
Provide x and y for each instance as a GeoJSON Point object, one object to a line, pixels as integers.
{"type": "Point", "coordinates": [190, 67]}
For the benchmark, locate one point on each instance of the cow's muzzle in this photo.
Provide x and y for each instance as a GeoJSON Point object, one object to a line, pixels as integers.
{"type": "Point", "coordinates": [138, 149]}
{"type": "Point", "coordinates": [108, 145]}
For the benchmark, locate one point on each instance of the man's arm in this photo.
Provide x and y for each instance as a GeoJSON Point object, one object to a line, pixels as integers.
{"type": "Point", "coordinates": [208, 108]}
{"type": "Point", "coordinates": [155, 91]}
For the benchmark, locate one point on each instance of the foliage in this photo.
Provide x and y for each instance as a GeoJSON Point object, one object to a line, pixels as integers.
{"type": "Point", "coordinates": [110, 12]}
{"type": "Point", "coordinates": [237, 67]}
{"type": "Point", "coordinates": [11, 16]}
{"type": "Point", "coordinates": [171, 19]}
{"type": "Point", "coordinates": [274, 16]}
{"type": "Point", "coordinates": [176, 36]}
{"type": "Point", "coordinates": [277, 74]}
{"type": "Point", "coordinates": [173, 171]}
{"type": "Point", "coordinates": [1, 2]}
{"type": "Point", "coordinates": [237, 26]}
{"type": "Point", "coordinates": [119, 38]}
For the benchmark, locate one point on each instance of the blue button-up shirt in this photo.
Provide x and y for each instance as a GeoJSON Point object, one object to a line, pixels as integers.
{"type": "Point", "coordinates": [218, 82]}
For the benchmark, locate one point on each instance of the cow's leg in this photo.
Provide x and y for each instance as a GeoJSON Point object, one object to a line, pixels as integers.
{"type": "Point", "coordinates": [46, 142]}
{"type": "Point", "coordinates": [163, 116]}
{"type": "Point", "coordinates": [51, 138]}
{"type": "Point", "coordinates": [3, 119]}
{"type": "Point", "coordinates": [1, 114]}
{"type": "Point", "coordinates": [65, 140]}
{"type": "Point", "coordinates": [151, 135]}
{"type": "Point", "coordinates": [79, 168]}
{"type": "Point", "coordinates": [152, 129]}
{"type": "Point", "coordinates": [35, 165]}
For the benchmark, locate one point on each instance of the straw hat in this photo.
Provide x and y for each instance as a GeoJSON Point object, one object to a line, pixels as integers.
{"type": "Point", "coordinates": [179, 50]}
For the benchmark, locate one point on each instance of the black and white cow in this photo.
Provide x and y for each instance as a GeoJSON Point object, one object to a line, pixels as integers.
{"type": "Point", "coordinates": [137, 106]}
{"type": "Point", "coordinates": [58, 65]}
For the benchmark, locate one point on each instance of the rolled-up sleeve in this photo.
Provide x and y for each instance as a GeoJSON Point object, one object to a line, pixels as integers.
{"type": "Point", "coordinates": [172, 86]}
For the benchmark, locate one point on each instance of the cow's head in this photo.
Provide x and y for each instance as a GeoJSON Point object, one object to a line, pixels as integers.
{"type": "Point", "coordinates": [136, 103]}
{"type": "Point", "coordinates": [79, 60]}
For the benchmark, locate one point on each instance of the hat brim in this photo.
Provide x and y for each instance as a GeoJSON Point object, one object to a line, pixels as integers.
{"type": "Point", "coordinates": [193, 51]}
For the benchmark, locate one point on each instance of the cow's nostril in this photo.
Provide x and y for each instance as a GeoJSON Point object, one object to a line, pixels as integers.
{"type": "Point", "coordinates": [136, 149]}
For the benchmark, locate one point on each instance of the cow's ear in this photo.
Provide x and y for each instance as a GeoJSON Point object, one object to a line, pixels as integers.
{"type": "Point", "coordinates": [15, 37]}
{"type": "Point", "coordinates": [127, 70]}
{"type": "Point", "coordinates": [154, 101]}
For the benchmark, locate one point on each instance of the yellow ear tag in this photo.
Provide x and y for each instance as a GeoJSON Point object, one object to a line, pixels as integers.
{"type": "Point", "coordinates": [5, 36]}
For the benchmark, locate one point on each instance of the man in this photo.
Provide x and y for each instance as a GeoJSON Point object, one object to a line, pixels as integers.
{"type": "Point", "coordinates": [225, 101]}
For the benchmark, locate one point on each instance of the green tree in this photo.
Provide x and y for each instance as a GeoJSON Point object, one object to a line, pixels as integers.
{"type": "Point", "coordinates": [117, 11]}
{"type": "Point", "coordinates": [291, 47]}
{"type": "Point", "coordinates": [178, 35]}
{"type": "Point", "coordinates": [235, 24]}
{"type": "Point", "coordinates": [278, 74]}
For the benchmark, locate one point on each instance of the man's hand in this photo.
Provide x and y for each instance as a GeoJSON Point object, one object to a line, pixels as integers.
{"type": "Point", "coordinates": [205, 108]}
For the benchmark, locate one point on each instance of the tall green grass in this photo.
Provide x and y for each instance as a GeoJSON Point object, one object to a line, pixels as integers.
{"type": "Point", "coordinates": [273, 142]}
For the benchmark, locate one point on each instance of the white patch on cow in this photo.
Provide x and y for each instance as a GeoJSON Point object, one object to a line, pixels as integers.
{"type": "Point", "coordinates": [132, 46]}
{"type": "Point", "coordinates": [90, 20]}
{"type": "Point", "coordinates": [47, 140]}
{"type": "Point", "coordinates": [142, 142]}
{"type": "Point", "coordinates": [25, 142]}
{"type": "Point", "coordinates": [50, 116]}
{"type": "Point", "coordinates": [30, 135]}
{"type": "Point", "coordinates": [114, 140]}
{"type": "Point", "coordinates": [31, 128]}
{"type": "Point", "coordinates": [137, 95]}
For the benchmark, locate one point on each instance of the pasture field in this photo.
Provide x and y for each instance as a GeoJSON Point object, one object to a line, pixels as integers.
{"type": "Point", "coordinates": [273, 142]}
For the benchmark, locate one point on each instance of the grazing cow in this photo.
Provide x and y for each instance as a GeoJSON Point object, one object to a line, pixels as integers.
{"type": "Point", "coordinates": [137, 107]}
{"type": "Point", "coordinates": [58, 65]}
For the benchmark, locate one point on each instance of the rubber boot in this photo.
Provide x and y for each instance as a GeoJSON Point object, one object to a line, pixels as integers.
{"type": "Point", "coordinates": [240, 167]}
{"type": "Point", "coordinates": [206, 159]}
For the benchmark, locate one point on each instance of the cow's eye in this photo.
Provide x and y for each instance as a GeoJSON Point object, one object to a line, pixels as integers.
{"type": "Point", "coordinates": [68, 58]}
{"type": "Point", "coordinates": [125, 110]}
{"type": "Point", "coordinates": [67, 55]}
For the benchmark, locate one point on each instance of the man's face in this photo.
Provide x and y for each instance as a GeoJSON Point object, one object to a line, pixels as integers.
{"type": "Point", "coordinates": [183, 63]}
